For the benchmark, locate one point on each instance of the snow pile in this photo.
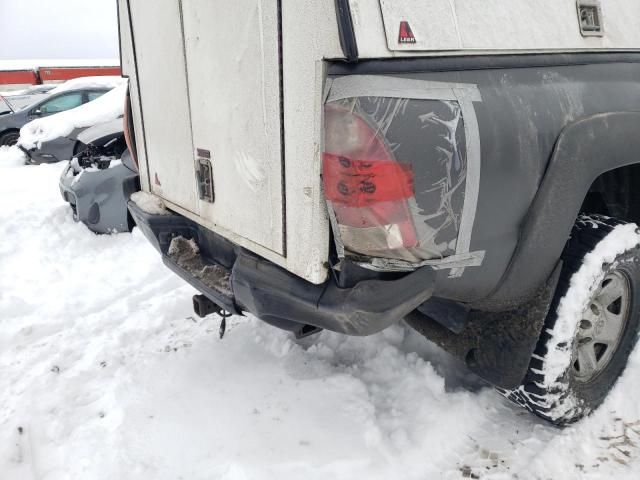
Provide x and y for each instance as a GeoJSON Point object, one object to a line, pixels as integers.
{"type": "Point", "coordinates": [107, 374]}
{"type": "Point", "coordinates": [105, 108]}
{"type": "Point", "coordinates": [150, 203]}
{"type": "Point", "coordinates": [106, 81]}
{"type": "Point", "coordinates": [11, 157]}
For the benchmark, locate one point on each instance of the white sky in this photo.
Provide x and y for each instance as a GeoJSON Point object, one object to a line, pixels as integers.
{"type": "Point", "coordinates": [58, 29]}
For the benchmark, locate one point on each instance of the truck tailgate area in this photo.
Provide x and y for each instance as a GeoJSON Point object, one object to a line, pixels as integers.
{"type": "Point", "coordinates": [239, 154]}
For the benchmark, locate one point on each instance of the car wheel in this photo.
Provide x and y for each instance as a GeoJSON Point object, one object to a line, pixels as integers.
{"type": "Point", "coordinates": [592, 324]}
{"type": "Point", "coordinates": [9, 138]}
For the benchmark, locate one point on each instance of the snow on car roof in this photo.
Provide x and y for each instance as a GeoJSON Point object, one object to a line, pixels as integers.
{"type": "Point", "coordinates": [108, 107]}
{"type": "Point", "coordinates": [89, 82]}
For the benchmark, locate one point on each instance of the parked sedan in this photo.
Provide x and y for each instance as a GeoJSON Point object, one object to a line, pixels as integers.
{"type": "Point", "coordinates": [64, 148]}
{"type": "Point", "coordinates": [11, 123]}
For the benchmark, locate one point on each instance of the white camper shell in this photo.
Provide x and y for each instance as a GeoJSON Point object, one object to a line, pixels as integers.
{"type": "Point", "coordinates": [237, 90]}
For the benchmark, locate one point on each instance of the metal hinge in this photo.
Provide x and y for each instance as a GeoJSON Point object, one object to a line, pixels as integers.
{"type": "Point", "coordinates": [590, 18]}
{"type": "Point", "coordinates": [204, 176]}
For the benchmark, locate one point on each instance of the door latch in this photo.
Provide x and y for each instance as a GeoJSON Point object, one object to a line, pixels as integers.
{"type": "Point", "coordinates": [590, 18]}
{"type": "Point", "coordinates": [204, 176]}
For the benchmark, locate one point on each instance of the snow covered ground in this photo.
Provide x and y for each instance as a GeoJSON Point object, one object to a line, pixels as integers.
{"type": "Point", "coordinates": [105, 373]}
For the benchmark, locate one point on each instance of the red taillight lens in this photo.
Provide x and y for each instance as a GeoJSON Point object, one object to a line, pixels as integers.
{"type": "Point", "coordinates": [128, 129]}
{"type": "Point", "coordinates": [366, 187]}
{"type": "Point", "coordinates": [359, 183]}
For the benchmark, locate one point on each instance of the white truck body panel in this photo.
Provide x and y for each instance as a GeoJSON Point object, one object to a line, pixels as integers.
{"type": "Point", "coordinates": [232, 112]}
{"type": "Point", "coordinates": [129, 69]}
{"type": "Point", "coordinates": [229, 65]}
{"type": "Point", "coordinates": [210, 75]}
{"type": "Point", "coordinates": [443, 27]}
{"type": "Point", "coordinates": [234, 88]}
{"type": "Point", "coordinates": [165, 113]}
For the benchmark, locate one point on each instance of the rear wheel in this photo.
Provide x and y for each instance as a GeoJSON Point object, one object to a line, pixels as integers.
{"type": "Point", "coordinates": [592, 325]}
{"type": "Point", "coordinates": [10, 138]}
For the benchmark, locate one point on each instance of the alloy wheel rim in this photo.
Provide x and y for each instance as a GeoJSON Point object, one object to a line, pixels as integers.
{"type": "Point", "coordinates": [601, 327]}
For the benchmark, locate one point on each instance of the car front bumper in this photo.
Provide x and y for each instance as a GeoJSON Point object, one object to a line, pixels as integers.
{"type": "Point", "coordinates": [99, 198]}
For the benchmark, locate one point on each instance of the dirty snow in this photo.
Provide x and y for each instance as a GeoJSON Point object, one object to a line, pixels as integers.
{"type": "Point", "coordinates": [103, 109]}
{"type": "Point", "coordinates": [107, 374]}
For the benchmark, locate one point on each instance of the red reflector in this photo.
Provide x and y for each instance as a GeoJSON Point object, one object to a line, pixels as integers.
{"type": "Point", "coordinates": [406, 34]}
{"type": "Point", "coordinates": [358, 183]}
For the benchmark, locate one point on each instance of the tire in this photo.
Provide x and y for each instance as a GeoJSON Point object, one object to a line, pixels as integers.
{"type": "Point", "coordinates": [9, 139]}
{"type": "Point", "coordinates": [592, 324]}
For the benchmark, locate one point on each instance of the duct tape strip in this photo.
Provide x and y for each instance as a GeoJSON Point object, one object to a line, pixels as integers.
{"type": "Point", "coordinates": [472, 188]}
{"type": "Point", "coordinates": [471, 259]}
{"type": "Point", "coordinates": [351, 86]}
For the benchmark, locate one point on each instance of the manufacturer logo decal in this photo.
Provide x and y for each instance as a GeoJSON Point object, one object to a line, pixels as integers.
{"type": "Point", "coordinates": [406, 34]}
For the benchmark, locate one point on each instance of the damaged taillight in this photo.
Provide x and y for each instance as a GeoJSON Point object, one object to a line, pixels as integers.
{"type": "Point", "coordinates": [365, 187]}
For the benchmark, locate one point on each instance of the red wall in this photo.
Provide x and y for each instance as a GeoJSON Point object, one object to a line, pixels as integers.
{"type": "Point", "coordinates": [51, 74]}
{"type": "Point", "coordinates": [48, 74]}
{"type": "Point", "coordinates": [19, 77]}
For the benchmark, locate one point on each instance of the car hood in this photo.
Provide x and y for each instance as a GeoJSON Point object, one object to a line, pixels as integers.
{"type": "Point", "coordinates": [101, 130]}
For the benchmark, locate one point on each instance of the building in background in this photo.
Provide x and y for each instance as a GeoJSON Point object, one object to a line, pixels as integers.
{"type": "Point", "coordinates": [45, 41]}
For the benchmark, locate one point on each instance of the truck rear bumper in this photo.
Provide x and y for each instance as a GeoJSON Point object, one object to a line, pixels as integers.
{"type": "Point", "coordinates": [239, 281]}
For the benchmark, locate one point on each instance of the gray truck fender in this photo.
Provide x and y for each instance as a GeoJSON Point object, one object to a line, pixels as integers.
{"type": "Point", "coordinates": [584, 150]}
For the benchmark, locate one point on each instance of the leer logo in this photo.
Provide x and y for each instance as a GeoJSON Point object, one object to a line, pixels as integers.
{"type": "Point", "coordinates": [406, 34]}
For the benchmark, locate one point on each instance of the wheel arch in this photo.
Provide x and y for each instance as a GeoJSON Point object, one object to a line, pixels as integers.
{"type": "Point", "coordinates": [9, 130]}
{"type": "Point", "coordinates": [585, 152]}
{"type": "Point", "coordinates": [77, 146]}
{"type": "Point", "coordinates": [615, 194]}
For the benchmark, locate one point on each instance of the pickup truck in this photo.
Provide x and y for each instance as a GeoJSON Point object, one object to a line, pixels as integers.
{"type": "Point", "coordinates": [350, 164]}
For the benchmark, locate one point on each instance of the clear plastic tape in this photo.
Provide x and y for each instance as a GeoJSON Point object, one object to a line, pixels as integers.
{"type": "Point", "coordinates": [433, 127]}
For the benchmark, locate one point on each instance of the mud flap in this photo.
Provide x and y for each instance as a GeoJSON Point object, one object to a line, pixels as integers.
{"type": "Point", "coordinates": [497, 346]}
